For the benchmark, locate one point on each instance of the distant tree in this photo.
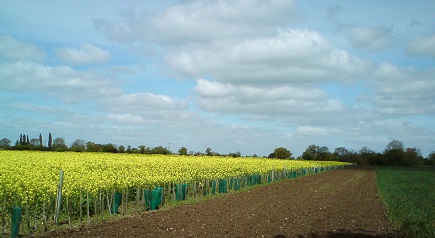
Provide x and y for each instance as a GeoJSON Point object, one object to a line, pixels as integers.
{"type": "Point", "coordinates": [310, 153]}
{"type": "Point", "coordinates": [341, 154]}
{"type": "Point", "coordinates": [59, 144]}
{"type": "Point", "coordinates": [323, 154]}
{"type": "Point", "coordinates": [160, 150]}
{"type": "Point", "coordinates": [27, 140]}
{"type": "Point", "coordinates": [430, 159]}
{"type": "Point", "coordinates": [208, 152]}
{"type": "Point", "coordinates": [121, 149]}
{"type": "Point", "coordinates": [235, 155]}
{"type": "Point", "coordinates": [91, 147]}
{"type": "Point", "coordinates": [50, 141]}
{"type": "Point", "coordinates": [142, 149]}
{"type": "Point", "coordinates": [34, 142]}
{"type": "Point", "coordinates": [109, 148]}
{"type": "Point", "coordinates": [40, 140]}
{"type": "Point", "coordinates": [129, 149]}
{"type": "Point", "coordinates": [394, 153]}
{"type": "Point", "coordinates": [395, 145]}
{"type": "Point", "coordinates": [78, 146]}
{"type": "Point", "coordinates": [21, 139]}
{"type": "Point", "coordinates": [5, 143]}
{"type": "Point", "coordinates": [282, 153]}
{"type": "Point", "coordinates": [182, 151]}
{"type": "Point", "coordinates": [368, 156]}
{"type": "Point", "coordinates": [413, 157]}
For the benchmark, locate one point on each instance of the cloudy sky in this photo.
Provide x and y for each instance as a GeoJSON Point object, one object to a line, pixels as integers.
{"type": "Point", "coordinates": [236, 75]}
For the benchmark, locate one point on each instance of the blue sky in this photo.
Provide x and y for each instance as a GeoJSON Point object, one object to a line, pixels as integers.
{"type": "Point", "coordinates": [240, 75]}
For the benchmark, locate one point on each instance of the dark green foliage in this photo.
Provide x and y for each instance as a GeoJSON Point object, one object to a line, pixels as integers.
{"type": "Point", "coordinates": [50, 141]}
{"type": "Point", "coordinates": [5, 143]}
{"type": "Point", "coordinates": [282, 153]}
{"type": "Point", "coordinates": [109, 148]}
{"type": "Point", "coordinates": [182, 151]}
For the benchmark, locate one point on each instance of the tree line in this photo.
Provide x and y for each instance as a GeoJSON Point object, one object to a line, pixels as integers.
{"type": "Point", "coordinates": [395, 152]}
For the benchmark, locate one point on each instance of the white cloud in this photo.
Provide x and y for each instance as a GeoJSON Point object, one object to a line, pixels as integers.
{"type": "Point", "coordinates": [371, 38]}
{"type": "Point", "coordinates": [293, 56]}
{"type": "Point", "coordinates": [200, 21]}
{"type": "Point", "coordinates": [61, 82]}
{"type": "Point", "coordinates": [145, 108]}
{"type": "Point", "coordinates": [85, 54]}
{"type": "Point", "coordinates": [293, 104]}
{"type": "Point", "coordinates": [310, 131]}
{"type": "Point", "coordinates": [140, 102]}
{"type": "Point", "coordinates": [13, 50]}
{"type": "Point", "coordinates": [424, 46]}
{"type": "Point", "coordinates": [403, 90]}
{"type": "Point", "coordinates": [126, 118]}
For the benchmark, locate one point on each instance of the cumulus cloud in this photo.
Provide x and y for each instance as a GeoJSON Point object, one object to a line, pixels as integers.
{"type": "Point", "coordinates": [199, 21]}
{"type": "Point", "coordinates": [147, 108]}
{"type": "Point", "coordinates": [292, 56]}
{"type": "Point", "coordinates": [403, 90]}
{"type": "Point", "coordinates": [273, 102]}
{"type": "Point", "coordinates": [424, 46]}
{"type": "Point", "coordinates": [85, 54]}
{"type": "Point", "coordinates": [311, 131]}
{"type": "Point", "coordinates": [13, 50]}
{"type": "Point", "coordinates": [61, 82]}
{"type": "Point", "coordinates": [371, 38]}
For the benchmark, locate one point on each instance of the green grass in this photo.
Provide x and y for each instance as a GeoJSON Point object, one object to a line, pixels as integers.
{"type": "Point", "coordinates": [409, 194]}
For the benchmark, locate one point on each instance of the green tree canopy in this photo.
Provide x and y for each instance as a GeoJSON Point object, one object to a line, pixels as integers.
{"type": "Point", "coordinates": [78, 145]}
{"type": "Point", "coordinates": [182, 151]}
{"type": "Point", "coordinates": [59, 144]}
{"type": "Point", "coordinates": [4, 143]}
{"type": "Point", "coordinates": [282, 153]}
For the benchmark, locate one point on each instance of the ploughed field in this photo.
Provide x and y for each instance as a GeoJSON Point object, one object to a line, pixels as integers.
{"type": "Point", "coordinates": [339, 203]}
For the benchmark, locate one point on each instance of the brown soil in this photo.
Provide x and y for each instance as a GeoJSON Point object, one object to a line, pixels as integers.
{"type": "Point", "coordinates": [340, 203]}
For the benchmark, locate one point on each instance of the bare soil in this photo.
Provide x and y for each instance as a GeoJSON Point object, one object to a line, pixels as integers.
{"type": "Point", "coordinates": [340, 203]}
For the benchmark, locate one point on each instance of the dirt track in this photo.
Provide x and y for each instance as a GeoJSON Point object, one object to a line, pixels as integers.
{"type": "Point", "coordinates": [340, 203]}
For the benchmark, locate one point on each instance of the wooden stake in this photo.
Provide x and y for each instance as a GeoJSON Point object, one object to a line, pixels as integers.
{"type": "Point", "coordinates": [87, 206]}
{"type": "Point", "coordinates": [81, 206]}
{"type": "Point", "coordinates": [58, 198]}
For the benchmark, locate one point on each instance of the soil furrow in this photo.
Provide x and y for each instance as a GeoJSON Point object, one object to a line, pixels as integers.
{"type": "Point", "coordinates": [340, 203]}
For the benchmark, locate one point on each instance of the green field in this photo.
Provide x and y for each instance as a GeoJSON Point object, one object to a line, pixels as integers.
{"type": "Point", "coordinates": [409, 194]}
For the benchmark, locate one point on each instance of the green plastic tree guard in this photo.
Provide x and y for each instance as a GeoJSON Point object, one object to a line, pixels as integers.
{"type": "Point", "coordinates": [147, 198]}
{"type": "Point", "coordinates": [184, 191]}
{"type": "Point", "coordinates": [180, 192]}
{"type": "Point", "coordinates": [213, 187]}
{"type": "Point", "coordinates": [237, 185]}
{"type": "Point", "coordinates": [222, 185]}
{"type": "Point", "coordinates": [156, 198]}
{"type": "Point", "coordinates": [205, 189]}
{"type": "Point", "coordinates": [117, 199]}
{"type": "Point", "coordinates": [16, 218]}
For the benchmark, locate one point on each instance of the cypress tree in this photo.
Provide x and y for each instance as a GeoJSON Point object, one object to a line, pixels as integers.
{"type": "Point", "coordinates": [50, 141]}
{"type": "Point", "coordinates": [40, 139]}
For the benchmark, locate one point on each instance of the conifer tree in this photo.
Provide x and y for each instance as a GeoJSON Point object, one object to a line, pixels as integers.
{"type": "Point", "coordinates": [50, 141]}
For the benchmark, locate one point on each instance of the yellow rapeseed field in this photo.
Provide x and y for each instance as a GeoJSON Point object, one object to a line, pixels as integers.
{"type": "Point", "coordinates": [30, 178]}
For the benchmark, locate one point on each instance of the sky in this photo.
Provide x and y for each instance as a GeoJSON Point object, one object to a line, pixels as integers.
{"type": "Point", "coordinates": [236, 75]}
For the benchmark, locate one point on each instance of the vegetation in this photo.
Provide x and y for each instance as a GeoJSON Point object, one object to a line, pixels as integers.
{"type": "Point", "coordinates": [30, 178]}
{"type": "Point", "coordinates": [409, 195]}
{"type": "Point", "coordinates": [394, 154]}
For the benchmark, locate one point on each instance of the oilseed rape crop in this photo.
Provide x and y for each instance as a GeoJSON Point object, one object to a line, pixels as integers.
{"type": "Point", "coordinates": [29, 179]}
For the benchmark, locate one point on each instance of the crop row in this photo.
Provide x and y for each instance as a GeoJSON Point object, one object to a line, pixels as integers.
{"type": "Point", "coordinates": [91, 180]}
